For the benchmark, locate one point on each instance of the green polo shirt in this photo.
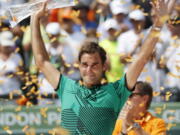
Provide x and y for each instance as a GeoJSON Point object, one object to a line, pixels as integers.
{"type": "Point", "coordinates": [91, 111]}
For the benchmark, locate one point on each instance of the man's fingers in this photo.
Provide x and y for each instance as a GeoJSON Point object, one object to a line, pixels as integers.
{"type": "Point", "coordinates": [45, 5]}
{"type": "Point", "coordinates": [171, 5]}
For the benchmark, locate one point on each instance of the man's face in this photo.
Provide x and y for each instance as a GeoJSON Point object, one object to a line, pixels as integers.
{"type": "Point", "coordinates": [91, 69]}
{"type": "Point", "coordinates": [139, 104]}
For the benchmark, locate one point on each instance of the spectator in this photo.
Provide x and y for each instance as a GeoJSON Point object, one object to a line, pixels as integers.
{"type": "Point", "coordinates": [114, 67]}
{"type": "Point", "coordinates": [135, 119]}
{"type": "Point", "coordinates": [10, 64]}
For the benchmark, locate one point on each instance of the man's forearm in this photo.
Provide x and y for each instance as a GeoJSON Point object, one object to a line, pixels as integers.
{"type": "Point", "coordinates": [38, 47]}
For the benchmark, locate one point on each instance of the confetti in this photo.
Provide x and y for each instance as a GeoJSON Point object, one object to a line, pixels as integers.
{"type": "Point", "coordinates": [18, 108]}
{"type": "Point", "coordinates": [43, 112]}
{"type": "Point", "coordinates": [25, 128]}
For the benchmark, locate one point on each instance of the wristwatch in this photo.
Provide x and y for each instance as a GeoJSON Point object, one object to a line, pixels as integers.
{"type": "Point", "coordinates": [136, 126]}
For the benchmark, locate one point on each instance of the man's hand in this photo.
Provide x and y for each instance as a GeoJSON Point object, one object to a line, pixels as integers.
{"type": "Point", "coordinates": [42, 12]}
{"type": "Point", "coordinates": [162, 9]}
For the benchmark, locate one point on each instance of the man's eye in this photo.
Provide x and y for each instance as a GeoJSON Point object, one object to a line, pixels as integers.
{"type": "Point", "coordinates": [84, 64]}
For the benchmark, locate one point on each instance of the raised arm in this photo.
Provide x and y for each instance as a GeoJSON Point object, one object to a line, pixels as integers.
{"type": "Point", "coordinates": [134, 70]}
{"type": "Point", "coordinates": [39, 50]}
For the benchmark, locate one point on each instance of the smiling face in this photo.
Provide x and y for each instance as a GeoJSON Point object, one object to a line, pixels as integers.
{"type": "Point", "coordinates": [91, 69]}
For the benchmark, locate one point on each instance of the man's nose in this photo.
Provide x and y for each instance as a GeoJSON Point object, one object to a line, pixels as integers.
{"type": "Point", "coordinates": [89, 68]}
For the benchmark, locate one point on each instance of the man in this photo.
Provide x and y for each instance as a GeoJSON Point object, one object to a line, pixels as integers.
{"type": "Point", "coordinates": [135, 119]}
{"type": "Point", "coordinates": [92, 108]}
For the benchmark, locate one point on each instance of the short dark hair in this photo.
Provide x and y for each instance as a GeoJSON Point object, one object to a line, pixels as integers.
{"type": "Point", "coordinates": [90, 47]}
{"type": "Point", "coordinates": [146, 89]}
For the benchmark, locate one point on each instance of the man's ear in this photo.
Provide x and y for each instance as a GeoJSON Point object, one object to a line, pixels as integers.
{"type": "Point", "coordinates": [146, 98]}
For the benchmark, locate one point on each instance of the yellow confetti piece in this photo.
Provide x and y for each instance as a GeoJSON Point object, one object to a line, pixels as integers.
{"type": "Point", "coordinates": [155, 34]}
{"type": "Point", "coordinates": [148, 79]}
{"type": "Point", "coordinates": [11, 95]}
{"type": "Point", "coordinates": [103, 81]}
{"type": "Point", "coordinates": [25, 128]}
{"type": "Point", "coordinates": [58, 131]}
{"type": "Point", "coordinates": [141, 114]}
{"type": "Point", "coordinates": [158, 110]}
{"type": "Point", "coordinates": [20, 73]}
{"type": "Point", "coordinates": [98, 34]}
{"type": "Point", "coordinates": [29, 104]}
{"type": "Point", "coordinates": [6, 128]}
{"type": "Point", "coordinates": [23, 28]}
{"type": "Point", "coordinates": [67, 65]}
{"type": "Point", "coordinates": [75, 13]}
{"type": "Point", "coordinates": [53, 39]}
{"type": "Point", "coordinates": [129, 59]}
{"type": "Point", "coordinates": [162, 88]}
{"type": "Point", "coordinates": [80, 82]}
{"type": "Point", "coordinates": [18, 117]}
{"type": "Point", "coordinates": [10, 76]}
{"type": "Point", "coordinates": [164, 18]}
{"type": "Point", "coordinates": [18, 108]}
{"type": "Point", "coordinates": [9, 131]}
{"type": "Point", "coordinates": [141, 105]}
{"type": "Point", "coordinates": [76, 65]}
{"type": "Point", "coordinates": [43, 112]}
{"type": "Point", "coordinates": [59, 109]}
{"type": "Point", "coordinates": [173, 75]}
{"type": "Point", "coordinates": [17, 50]}
{"type": "Point", "coordinates": [28, 83]}
{"type": "Point", "coordinates": [31, 131]}
{"type": "Point", "coordinates": [99, 11]}
{"type": "Point", "coordinates": [70, 72]}
{"type": "Point", "coordinates": [164, 106]}
{"type": "Point", "coordinates": [23, 88]}
{"type": "Point", "coordinates": [5, 29]}
{"type": "Point", "coordinates": [148, 118]}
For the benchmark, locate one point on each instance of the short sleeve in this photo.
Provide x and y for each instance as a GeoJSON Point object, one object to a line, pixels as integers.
{"type": "Point", "coordinates": [118, 127]}
{"type": "Point", "coordinates": [64, 83]}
